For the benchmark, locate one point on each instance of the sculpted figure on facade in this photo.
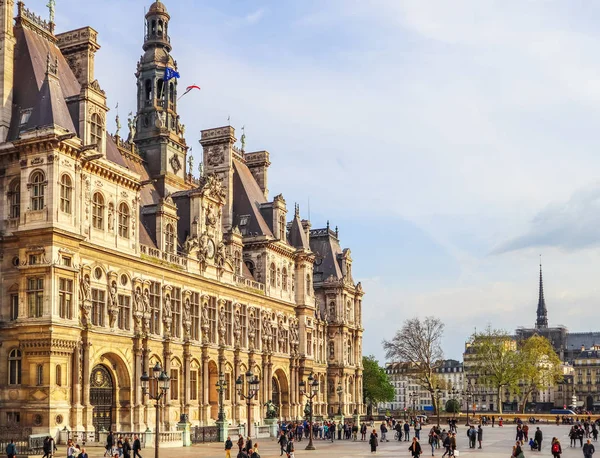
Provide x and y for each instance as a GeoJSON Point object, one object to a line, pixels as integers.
{"type": "Point", "coordinates": [187, 318]}
{"type": "Point", "coordinates": [237, 327]}
{"type": "Point", "coordinates": [206, 337]}
{"type": "Point", "coordinates": [86, 298]}
{"type": "Point", "coordinates": [113, 306]}
{"type": "Point", "coordinates": [222, 322]}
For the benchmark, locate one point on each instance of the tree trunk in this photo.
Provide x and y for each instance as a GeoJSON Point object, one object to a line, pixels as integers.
{"type": "Point", "coordinates": [434, 403]}
{"type": "Point", "coordinates": [500, 400]}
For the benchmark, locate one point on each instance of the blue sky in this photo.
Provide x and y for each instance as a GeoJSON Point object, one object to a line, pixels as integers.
{"type": "Point", "coordinates": [452, 142]}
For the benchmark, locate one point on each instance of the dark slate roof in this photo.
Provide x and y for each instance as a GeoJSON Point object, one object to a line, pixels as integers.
{"type": "Point", "coordinates": [575, 340]}
{"type": "Point", "coordinates": [297, 237]}
{"type": "Point", "coordinates": [50, 108]}
{"type": "Point", "coordinates": [31, 55]}
{"type": "Point", "coordinates": [326, 247]}
{"type": "Point", "coordinates": [145, 238]}
{"type": "Point", "coordinates": [113, 154]}
{"type": "Point", "coordinates": [247, 197]}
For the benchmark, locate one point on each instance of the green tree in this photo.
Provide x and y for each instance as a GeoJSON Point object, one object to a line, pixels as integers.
{"type": "Point", "coordinates": [419, 343]}
{"type": "Point", "coordinates": [376, 384]}
{"type": "Point", "coordinates": [452, 406]}
{"type": "Point", "coordinates": [540, 367]}
{"type": "Point", "coordinates": [493, 357]}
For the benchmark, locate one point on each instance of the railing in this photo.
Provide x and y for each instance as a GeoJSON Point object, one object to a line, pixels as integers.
{"type": "Point", "coordinates": [163, 255]}
{"type": "Point", "coordinates": [169, 436]}
{"type": "Point", "coordinates": [200, 434]}
{"type": "Point", "coordinates": [249, 283]}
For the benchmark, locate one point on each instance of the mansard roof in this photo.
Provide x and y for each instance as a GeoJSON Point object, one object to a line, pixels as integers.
{"type": "Point", "coordinates": [297, 236]}
{"type": "Point", "coordinates": [326, 246]}
{"type": "Point", "coordinates": [31, 56]}
{"type": "Point", "coordinates": [247, 197]}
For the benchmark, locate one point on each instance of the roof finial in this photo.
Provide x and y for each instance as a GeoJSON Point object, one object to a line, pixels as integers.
{"type": "Point", "coordinates": [542, 311]}
{"type": "Point", "coordinates": [51, 6]}
{"type": "Point", "coordinates": [243, 139]}
{"type": "Point", "coordinates": [336, 232]}
{"type": "Point", "coordinates": [327, 225]}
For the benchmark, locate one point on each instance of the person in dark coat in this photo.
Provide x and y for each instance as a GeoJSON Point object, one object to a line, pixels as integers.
{"type": "Point", "coordinates": [374, 441]}
{"type": "Point", "coordinates": [11, 450]}
{"type": "Point", "coordinates": [137, 446]}
{"type": "Point", "coordinates": [588, 449]}
{"type": "Point", "coordinates": [415, 448]}
{"type": "Point", "coordinates": [538, 437]}
{"type": "Point", "coordinates": [479, 435]}
{"type": "Point", "coordinates": [126, 448]}
{"type": "Point", "coordinates": [406, 431]}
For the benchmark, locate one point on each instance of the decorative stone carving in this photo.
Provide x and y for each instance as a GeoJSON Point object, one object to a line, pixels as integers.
{"type": "Point", "coordinates": [216, 155]}
{"type": "Point", "coordinates": [222, 322]}
{"type": "Point", "coordinates": [175, 163]}
{"type": "Point", "coordinates": [113, 306]}
{"type": "Point", "coordinates": [187, 317]}
{"type": "Point", "coordinates": [86, 298]}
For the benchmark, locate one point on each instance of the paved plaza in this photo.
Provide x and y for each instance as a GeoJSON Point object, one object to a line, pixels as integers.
{"type": "Point", "coordinates": [497, 443]}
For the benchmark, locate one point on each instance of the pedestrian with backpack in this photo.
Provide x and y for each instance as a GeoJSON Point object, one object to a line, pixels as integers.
{"type": "Point", "coordinates": [290, 448]}
{"type": "Point", "coordinates": [556, 448]}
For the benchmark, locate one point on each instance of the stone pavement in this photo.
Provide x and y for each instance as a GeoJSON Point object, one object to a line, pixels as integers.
{"type": "Point", "coordinates": [497, 443]}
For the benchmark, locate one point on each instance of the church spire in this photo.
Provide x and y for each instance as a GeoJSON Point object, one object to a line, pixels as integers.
{"type": "Point", "coordinates": [542, 312]}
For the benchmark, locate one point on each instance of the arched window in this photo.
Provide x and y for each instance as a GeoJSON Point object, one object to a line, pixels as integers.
{"type": "Point", "coordinates": [124, 220]}
{"type": "Point", "coordinates": [171, 95]}
{"type": "Point", "coordinates": [169, 239]}
{"type": "Point", "coordinates": [282, 227]}
{"type": "Point", "coordinates": [284, 279]}
{"type": "Point", "coordinates": [332, 311]}
{"type": "Point", "coordinates": [38, 189]}
{"type": "Point", "coordinates": [14, 195]}
{"type": "Point", "coordinates": [14, 367]}
{"type": "Point", "coordinates": [272, 275]}
{"type": "Point", "coordinates": [153, 29]}
{"type": "Point", "coordinates": [250, 266]}
{"type": "Point", "coordinates": [66, 189]}
{"type": "Point", "coordinates": [39, 374]}
{"type": "Point", "coordinates": [308, 285]}
{"type": "Point", "coordinates": [96, 131]}
{"type": "Point", "coordinates": [58, 375]}
{"type": "Point", "coordinates": [98, 211]}
{"type": "Point", "coordinates": [160, 86]}
{"type": "Point", "coordinates": [160, 28]}
{"type": "Point", "coordinates": [148, 92]}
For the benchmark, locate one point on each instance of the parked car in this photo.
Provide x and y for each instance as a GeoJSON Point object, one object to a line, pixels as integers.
{"type": "Point", "coordinates": [422, 419]}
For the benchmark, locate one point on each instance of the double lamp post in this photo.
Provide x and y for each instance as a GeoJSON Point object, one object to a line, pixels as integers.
{"type": "Point", "coordinates": [252, 387]}
{"type": "Point", "coordinates": [311, 393]}
{"type": "Point", "coordinates": [160, 377]}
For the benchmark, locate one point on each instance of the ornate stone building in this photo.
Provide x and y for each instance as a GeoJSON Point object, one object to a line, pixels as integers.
{"type": "Point", "coordinates": [115, 257]}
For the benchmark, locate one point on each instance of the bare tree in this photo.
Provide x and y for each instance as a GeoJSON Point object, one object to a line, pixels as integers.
{"type": "Point", "coordinates": [419, 343]}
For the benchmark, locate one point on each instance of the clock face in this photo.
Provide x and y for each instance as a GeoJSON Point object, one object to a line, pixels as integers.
{"type": "Point", "coordinates": [211, 248]}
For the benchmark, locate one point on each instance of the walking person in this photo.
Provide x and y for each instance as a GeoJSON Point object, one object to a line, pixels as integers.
{"type": "Point", "coordinates": [83, 453]}
{"type": "Point", "coordinates": [384, 431]}
{"type": "Point", "coordinates": [556, 448]}
{"type": "Point", "coordinates": [479, 435]}
{"type": "Point", "coordinates": [373, 441]}
{"type": "Point", "coordinates": [240, 442]}
{"type": "Point", "coordinates": [126, 448]}
{"type": "Point", "coordinates": [452, 444]}
{"type": "Point", "coordinates": [418, 429]}
{"type": "Point", "coordinates": [363, 432]}
{"type": "Point", "coordinates": [588, 449]}
{"type": "Point", "coordinates": [137, 446]}
{"type": "Point", "coordinates": [406, 431]}
{"type": "Point", "coordinates": [538, 437]}
{"type": "Point", "coordinates": [289, 450]}
{"type": "Point", "coordinates": [446, 444]}
{"type": "Point", "coordinates": [228, 447]}
{"type": "Point", "coordinates": [11, 450]}
{"type": "Point", "coordinates": [415, 448]}
{"type": "Point", "coordinates": [432, 440]}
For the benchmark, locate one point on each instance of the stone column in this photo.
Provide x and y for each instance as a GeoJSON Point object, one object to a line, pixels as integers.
{"type": "Point", "coordinates": [187, 356]}
{"type": "Point", "coordinates": [265, 394]}
{"type": "Point", "coordinates": [85, 375]}
{"type": "Point", "coordinates": [138, 405]}
{"type": "Point", "coordinates": [77, 409]}
{"type": "Point", "coordinates": [167, 399]}
{"type": "Point", "coordinates": [146, 367]}
{"type": "Point", "coordinates": [235, 401]}
{"type": "Point", "coordinates": [205, 393]}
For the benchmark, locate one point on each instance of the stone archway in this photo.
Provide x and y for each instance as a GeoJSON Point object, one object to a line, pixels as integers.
{"type": "Point", "coordinates": [280, 383]}
{"type": "Point", "coordinates": [102, 398]}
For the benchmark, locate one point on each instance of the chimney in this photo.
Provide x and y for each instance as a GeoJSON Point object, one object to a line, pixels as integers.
{"type": "Point", "coordinates": [79, 48]}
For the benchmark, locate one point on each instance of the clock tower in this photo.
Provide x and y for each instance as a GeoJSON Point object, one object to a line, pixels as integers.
{"type": "Point", "coordinates": [159, 134]}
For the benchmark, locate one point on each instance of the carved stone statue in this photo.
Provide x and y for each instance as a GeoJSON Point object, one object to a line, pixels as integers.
{"type": "Point", "coordinates": [211, 219]}
{"type": "Point", "coordinates": [118, 125]}
{"type": "Point", "coordinates": [138, 301]}
{"type": "Point", "coordinates": [113, 306]}
{"type": "Point", "coordinates": [271, 409]}
{"type": "Point", "coordinates": [187, 319]}
{"type": "Point", "coordinates": [167, 307]}
{"type": "Point", "coordinates": [190, 244]}
{"type": "Point", "coordinates": [307, 409]}
{"type": "Point", "coordinates": [237, 327]}
{"type": "Point", "coordinates": [131, 124]}
{"type": "Point", "coordinates": [146, 301]}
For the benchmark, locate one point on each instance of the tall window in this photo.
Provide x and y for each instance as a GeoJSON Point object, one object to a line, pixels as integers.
{"type": "Point", "coordinates": [39, 374]}
{"type": "Point", "coordinates": [124, 220]}
{"type": "Point", "coordinates": [308, 285]}
{"type": "Point", "coordinates": [98, 211]}
{"type": "Point", "coordinates": [155, 308]}
{"type": "Point", "coordinates": [124, 311]}
{"type": "Point", "coordinates": [228, 323]}
{"type": "Point", "coordinates": [169, 239]}
{"type": "Point", "coordinates": [14, 306]}
{"type": "Point", "coordinates": [272, 275]}
{"type": "Point", "coordinates": [309, 343]}
{"type": "Point", "coordinates": [193, 385]}
{"type": "Point", "coordinates": [174, 384]}
{"type": "Point", "coordinates": [284, 279]}
{"type": "Point", "coordinates": [195, 313]}
{"type": "Point", "coordinates": [35, 296]}
{"type": "Point", "coordinates": [176, 304]}
{"type": "Point", "coordinates": [14, 195]}
{"type": "Point", "coordinates": [66, 190]}
{"type": "Point", "coordinates": [212, 318]}
{"type": "Point", "coordinates": [65, 298]}
{"type": "Point", "coordinates": [96, 131]}
{"type": "Point", "coordinates": [14, 367]}
{"type": "Point", "coordinates": [38, 188]}
{"type": "Point", "coordinates": [282, 227]}
{"type": "Point", "coordinates": [98, 307]}
{"type": "Point", "coordinates": [58, 375]}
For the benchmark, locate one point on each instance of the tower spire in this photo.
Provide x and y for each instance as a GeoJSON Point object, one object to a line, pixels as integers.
{"type": "Point", "coordinates": [542, 311]}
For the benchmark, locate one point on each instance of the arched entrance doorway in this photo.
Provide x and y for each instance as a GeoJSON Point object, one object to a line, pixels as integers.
{"type": "Point", "coordinates": [280, 393]}
{"type": "Point", "coordinates": [276, 394]}
{"type": "Point", "coordinates": [102, 398]}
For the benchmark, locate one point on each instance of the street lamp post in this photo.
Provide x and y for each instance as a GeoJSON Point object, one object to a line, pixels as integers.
{"type": "Point", "coordinates": [313, 390]}
{"type": "Point", "coordinates": [162, 386]}
{"type": "Point", "coordinates": [469, 394]}
{"type": "Point", "coordinates": [221, 387]}
{"type": "Point", "coordinates": [438, 395]}
{"type": "Point", "coordinates": [339, 390]}
{"type": "Point", "coordinates": [252, 384]}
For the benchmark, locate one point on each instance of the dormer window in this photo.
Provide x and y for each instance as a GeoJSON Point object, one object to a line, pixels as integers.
{"type": "Point", "coordinates": [14, 196]}
{"type": "Point", "coordinates": [24, 118]}
{"type": "Point", "coordinates": [169, 239]}
{"type": "Point", "coordinates": [282, 228]}
{"type": "Point", "coordinates": [66, 188]}
{"type": "Point", "coordinates": [124, 221]}
{"type": "Point", "coordinates": [96, 131]}
{"type": "Point", "coordinates": [272, 275]}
